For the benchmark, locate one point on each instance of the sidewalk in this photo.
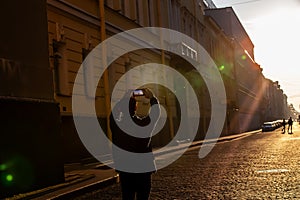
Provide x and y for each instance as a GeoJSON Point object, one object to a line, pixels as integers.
{"type": "Point", "coordinates": [80, 178]}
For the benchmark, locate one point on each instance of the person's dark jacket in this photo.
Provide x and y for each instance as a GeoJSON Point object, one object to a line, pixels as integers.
{"type": "Point", "coordinates": [128, 142]}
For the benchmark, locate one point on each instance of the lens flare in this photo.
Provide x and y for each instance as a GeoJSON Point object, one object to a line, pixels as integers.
{"type": "Point", "coordinates": [3, 167]}
{"type": "Point", "coordinates": [9, 178]}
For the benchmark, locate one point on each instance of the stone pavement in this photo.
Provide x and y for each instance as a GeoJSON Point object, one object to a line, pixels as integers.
{"type": "Point", "coordinates": [81, 179]}
{"type": "Point", "coordinates": [261, 166]}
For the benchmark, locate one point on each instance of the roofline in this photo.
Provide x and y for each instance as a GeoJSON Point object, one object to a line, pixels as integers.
{"type": "Point", "coordinates": [232, 10]}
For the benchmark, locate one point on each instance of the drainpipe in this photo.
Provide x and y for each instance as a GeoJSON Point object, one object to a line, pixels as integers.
{"type": "Point", "coordinates": [201, 96]}
{"type": "Point", "coordinates": [104, 62]}
{"type": "Point", "coordinates": [170, 114]}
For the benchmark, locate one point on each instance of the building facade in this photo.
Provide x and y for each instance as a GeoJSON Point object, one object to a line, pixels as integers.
{"type": "Point", "coordinates": [30, 120]}
{"type": "Point", "coordinates": [248, 74]}
{"type": "Point", "coordinates": [75, 28]}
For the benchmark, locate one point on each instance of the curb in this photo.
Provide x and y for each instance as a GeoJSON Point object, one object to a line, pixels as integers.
{"type": "Point", "coordinates": [87, 188]}
{"type": "Point", "coordinates": [48, 190]}
{"type": "Point", "coordinates": [208, 141]}
{"type": "Point", "coordinates": [45, 193]}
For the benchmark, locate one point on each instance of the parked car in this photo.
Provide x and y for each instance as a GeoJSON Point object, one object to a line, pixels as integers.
{"type": "Point", "coordinates": [278, 123]}
{"type": "Point", "coordinates": [268, 126]}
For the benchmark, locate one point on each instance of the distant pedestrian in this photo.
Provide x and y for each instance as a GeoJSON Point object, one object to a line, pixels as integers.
{"type": "Point", "coordinates": [290, 125]}
{"type": "Point", "coordinates": [283, 126]}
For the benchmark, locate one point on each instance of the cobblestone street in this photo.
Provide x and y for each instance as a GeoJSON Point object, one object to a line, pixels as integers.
{"type": "Point", "coordinates": [261, 166]}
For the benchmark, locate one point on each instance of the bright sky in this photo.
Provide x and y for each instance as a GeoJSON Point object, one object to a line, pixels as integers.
{"type": "Point", "coordinates": [274, 28]}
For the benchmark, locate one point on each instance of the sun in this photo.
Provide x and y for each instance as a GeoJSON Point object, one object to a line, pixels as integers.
{"type": "Point", "coordinates": [276, 39]}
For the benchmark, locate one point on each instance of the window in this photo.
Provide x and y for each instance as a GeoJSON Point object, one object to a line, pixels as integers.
{"type": "Point", "coordinates": [60, 68]}
{"type": "Point", "coordinates": [183, 25]}
{"type": "Point", "coordinates": [137, 8]}
{"type": "Point", "coordinates": [133, 10]}
{"type": "Point", "coordinates": [143, 11]}
{"type": "Point", "coordinates": [151, 12]}
{"type": "Point", "coordinates": [88, 71]}
{"type": "Point", "coordinates": [114, 4]}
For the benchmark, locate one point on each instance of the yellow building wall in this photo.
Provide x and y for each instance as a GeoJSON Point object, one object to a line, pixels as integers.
{"type": "Point", "coordinates": [74, 36]}
{"type": "Point", "coordinates": [90, 6]}
{"type": "Point", "coordinates": [73, 32]}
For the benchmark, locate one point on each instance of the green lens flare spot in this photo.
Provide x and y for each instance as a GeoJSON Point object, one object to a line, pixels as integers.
{"type": "Point", "coordinates": [244, 57]}
{"type": "Point", "coordinates": [222, 67]}
{"type": "Point", "coordinates": [9, 177]}
{"type": "Point", "coordinates": [3, 167]}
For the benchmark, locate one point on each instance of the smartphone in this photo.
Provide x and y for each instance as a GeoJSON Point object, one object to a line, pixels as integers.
{"type": "Point", "coordinates": [138, 92]}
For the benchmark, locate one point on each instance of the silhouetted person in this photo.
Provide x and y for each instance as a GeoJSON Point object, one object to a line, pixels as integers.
{"type": "Point", "coordinates": [134, 184]}
{"type": "Point", "coordinates": [283, 126]}
{"type": "Point", "coordinates": [290, 125]}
